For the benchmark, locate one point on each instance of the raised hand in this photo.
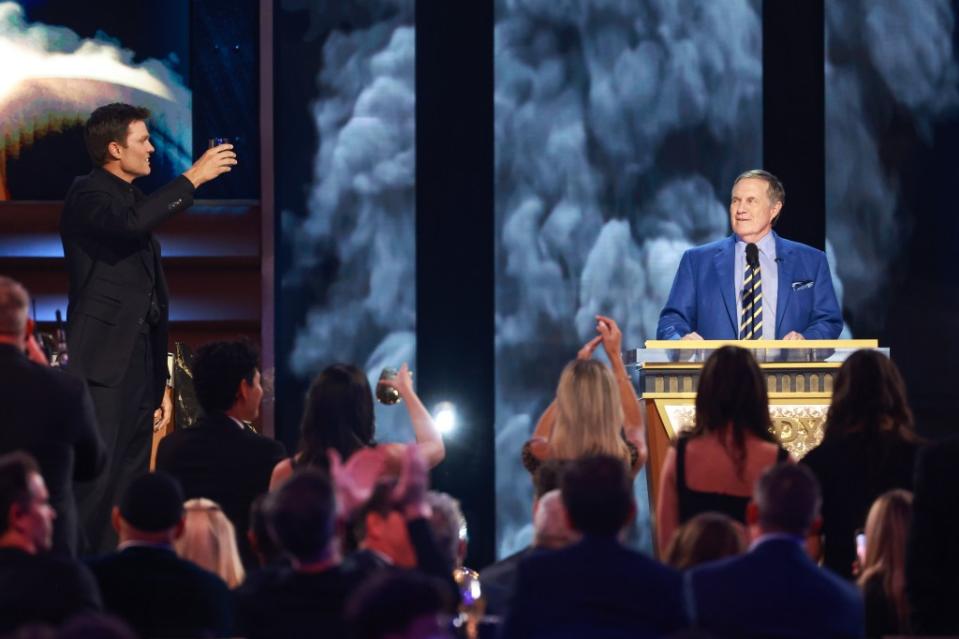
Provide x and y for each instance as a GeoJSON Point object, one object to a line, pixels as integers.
{"type": "Point", "coordinates": [611, 335]}
{"type": "Point", "coordinates": [212, 164]}
{"type": "Point", "coordinates": [586, 352]}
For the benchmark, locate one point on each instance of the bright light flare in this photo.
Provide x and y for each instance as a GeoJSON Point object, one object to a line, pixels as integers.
{"type": "Point", "coordinates": [444, 416]}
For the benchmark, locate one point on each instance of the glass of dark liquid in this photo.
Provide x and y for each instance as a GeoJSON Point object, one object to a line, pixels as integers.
{"type": "Point", "coordinates": [386, 394]}
{"type": "Point", "coordinates": [212, 142]}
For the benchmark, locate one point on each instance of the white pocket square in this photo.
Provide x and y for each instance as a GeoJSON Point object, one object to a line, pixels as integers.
{"type": "Point", "coordinates": [803, 284]}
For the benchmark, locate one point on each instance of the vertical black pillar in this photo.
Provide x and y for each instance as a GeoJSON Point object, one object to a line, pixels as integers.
{"type": "Point", "coordinates": [794, 120]}
{"type": "Point", "coordinates": [454, 247]}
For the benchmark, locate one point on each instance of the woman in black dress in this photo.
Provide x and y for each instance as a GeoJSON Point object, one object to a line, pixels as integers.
{"type": "Point", "coordinates": [868, 448]}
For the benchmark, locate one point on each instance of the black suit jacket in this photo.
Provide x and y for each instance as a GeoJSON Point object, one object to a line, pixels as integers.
{"type": "Point", "coordinates": [43, 589]}
{"type": "Point", "coordinates": [113, 262]}
{"type": "Point", "coordinates": [595, 588]}
{"type": "Point", "coordinates": [163, 596]}
{"type": "Point", "coordinates": [219, 460]}
{"type": "Point", "coordinates": [932, 559]}
{"type": "Point", "coordinates": [49, 414]}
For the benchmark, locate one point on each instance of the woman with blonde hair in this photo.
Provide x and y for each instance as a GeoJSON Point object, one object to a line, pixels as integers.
{"type": "Point", "coordinates": [883, 576]}
{"type": "Point", "coordinates": [209, 541]}
{"type": "Point", "coordinates": [595, 411]}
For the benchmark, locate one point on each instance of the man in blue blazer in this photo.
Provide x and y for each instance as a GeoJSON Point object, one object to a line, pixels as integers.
{"type": "Point", "coordinates": [798, 300]}
{"type": "Point", "coordinates": [775, 589]}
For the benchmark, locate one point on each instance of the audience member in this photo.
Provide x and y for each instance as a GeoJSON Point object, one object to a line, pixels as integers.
{"type": "Point", "coordinates": [713, 467]}
{"type": "Point", "coordinates": [220, 458]}
{"type": "Point", "coordinates": [775, 589]}
{"type": "Point", "coordinates": [35, 587]}
{"type": "Point", "coordinates": [264, 548]}
{"type": "Point", "coordinates": [449, 527]}
{"type": "Point", "coordinates": [339, 416]}
{"type": "Point", "coordinates": [45, 413]}
{"type": "Point", "coordinates": [550, 530]}
{"type": "Point", "coordinates": [595, 411]}
{"type": "Point", "coordinates": [399, 605]}
{"type": "Point", "coordinates": [308, 600]}
{"type": "Point", "coordinates": [932, 557]}
{"type": "Point", "coordinates": [883, 575]}
{"type": "Point", "coordinates": [705, 537]}
{"type": "Point", "coordinates": [393, 528]}
{"type": "Point", "coordinates": [96, 626]}
{"type": "Point", "coordinates": [597, 587]}
{"type": "Point", "coordinates": [144, 582]}
{"type": "Point", "coordinates": [868, 448]}
{"type": "Point", "coordinates": [209, 541]}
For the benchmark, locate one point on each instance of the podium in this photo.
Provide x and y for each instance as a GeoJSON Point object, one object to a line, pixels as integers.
{"type": "Point", "coordinates": [799, 379]}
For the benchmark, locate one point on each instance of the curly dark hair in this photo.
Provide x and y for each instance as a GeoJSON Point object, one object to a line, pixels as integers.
{"type": "Point", "coordinates": [110, 123]}
{"type": "Point", "coordinates": [218, 368]}
{"type": "Point", "coordinates": [732, 395]}
{"type": "Point", "coordinates": [338, 414]}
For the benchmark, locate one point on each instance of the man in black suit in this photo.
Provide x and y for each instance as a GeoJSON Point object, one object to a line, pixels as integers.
{"type": "Point", "coordinates": [932, 558]}
{"type": "Point", "coordinates": [145, 583]}
{"type": "Point", "coordinates": [775, 589]}
{"type": "Point", "coordinates": [46, 413]}
{"type": "Point", "coordinates": [35, 587]}
{"type": "Point", "coordinates": [118, 301]}
{"type": "Point", "coordinates": [221, 458]}
{"type": "Point", "coordinates": [597, 587]}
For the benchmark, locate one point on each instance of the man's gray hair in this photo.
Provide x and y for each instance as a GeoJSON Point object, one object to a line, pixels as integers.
{"type": "Point", "coordinates": [448, 525]}
{"type": "Point", "coordinates": [775, 189]}
{"type": "Point", "coordinates": [788, 498]}
{"type": "Point", "coordinates": [14, 305]}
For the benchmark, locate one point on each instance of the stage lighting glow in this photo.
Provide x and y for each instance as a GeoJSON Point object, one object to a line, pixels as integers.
{"type": "Point", "coordinates": [444, 416]}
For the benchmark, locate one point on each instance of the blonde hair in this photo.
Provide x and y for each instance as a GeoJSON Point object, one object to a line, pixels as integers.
{"type": "Point", "coordinates": [589, 416]}
{"type": "Point", "coordinates": [209, 541]}
{"type": "Point", "coordinates": [887, 529]}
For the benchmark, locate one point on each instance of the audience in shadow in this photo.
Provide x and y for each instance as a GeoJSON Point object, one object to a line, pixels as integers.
{"type": "Point", "coordinates": [868, 448]}
{"type": "Point", "coordinates": [775, 589]}
{"type": "Point", "coordinates": [882, 577]}
{"type": "Point", "coordinates": [209, 541]}
{"type": "Point", "coordinates": [706, 537]}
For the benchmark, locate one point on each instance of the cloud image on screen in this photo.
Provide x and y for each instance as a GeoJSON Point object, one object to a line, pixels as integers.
{"type": "Point", "coordinates": [620, 126]}
{"type": "Point", "coordinates": [359, 226]}
{"type": "Point", "coordinates": [891, 77]}
{"type": "Point", "coordinates": [51, 80]}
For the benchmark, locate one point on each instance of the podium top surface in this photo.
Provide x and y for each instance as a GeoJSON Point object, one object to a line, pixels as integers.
{"type": "Point", "coordinates": [691, 351]}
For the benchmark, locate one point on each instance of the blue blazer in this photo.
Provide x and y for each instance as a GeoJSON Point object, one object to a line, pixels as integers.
{"type": "Point", "coordinates": [774, 590]}
{"type": "Point", "coordinates": [703, 300]}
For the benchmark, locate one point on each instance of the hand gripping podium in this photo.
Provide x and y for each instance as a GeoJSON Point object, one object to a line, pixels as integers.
{"type": "Point", "coordinates": [799, 379]}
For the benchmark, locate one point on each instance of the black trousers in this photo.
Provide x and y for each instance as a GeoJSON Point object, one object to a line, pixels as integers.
{"type": "Point", "coordinates": [125, 416]}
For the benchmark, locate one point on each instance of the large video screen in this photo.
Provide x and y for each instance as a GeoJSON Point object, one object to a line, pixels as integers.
{"type": "Point", "coordinates": [619, 130]}
{"type": "Point", "coordinates": [61, 59]}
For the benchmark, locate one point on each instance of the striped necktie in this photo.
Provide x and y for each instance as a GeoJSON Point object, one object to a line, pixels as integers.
{"type": "Point", "coordinates": [751, 324]}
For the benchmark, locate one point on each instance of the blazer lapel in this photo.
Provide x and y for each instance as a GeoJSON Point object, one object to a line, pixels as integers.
{"type": "Point", "coordinates": [785, 276]}
{"type": "Point", "coordinates": [723, 261]}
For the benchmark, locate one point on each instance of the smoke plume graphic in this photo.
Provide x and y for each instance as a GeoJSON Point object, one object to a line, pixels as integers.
{"type": "Point", "coordinates": [361, 206]}
{"type": "Point", "coordinates": [890, 67]}
{"type": "Point", "coordinates": [620, 125]}
{"type": "Point", "coordinates": [52, 79]}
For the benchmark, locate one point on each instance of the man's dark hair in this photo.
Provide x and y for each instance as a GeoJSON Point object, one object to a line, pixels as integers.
{"type": "Point", "coordinates": [259, 526]}
{"type": "Point", "coordinates": [302, 513]}
{"type": "Point", "coordinates": [110, 123]}
{"type": "Point", "coordinates": [597, 492]}
{"type": "Point", "coordinates": [547, 477]}
{"type": "Point", "coordinates": [390, 601]}
{"type": "Point", "coordinates": [380, 502]}
{"type": "Point", "coordinates": [15, 469]}
{"type": "Point", "coordinates": [218, 368]}
{"type": "Point", "coordinates": [788, 498]}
